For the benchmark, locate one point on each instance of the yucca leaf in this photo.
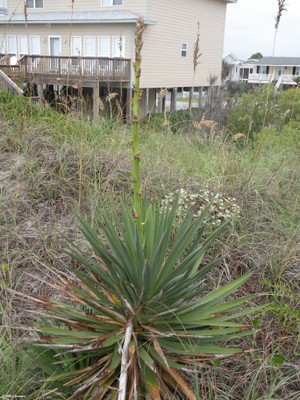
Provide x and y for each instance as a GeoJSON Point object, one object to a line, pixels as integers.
{"type": "Point", "coordinates": [113, 261]}
{"type": "Point", "coordinates": [113, 339]}
{"type": "Point", "coordinates": [93, 286]}
{"type": "Point", "coordinates": [97, 306]}
{"type": "Point", "coordinates": [147, 278]}
{"type": "Point", "coordinates": [108, 277]}
{"type": "Point", "coordinates": [89, 321]}
{"type": "Point", "coordinates": [219, 294]}
{"type": "Point", "coordinates": [158, 256]}
{"type": "Point", "coordinates": [177, 323]}
{"type": "Point", "coordinates": [66, 332]}
{"type": "Point", "coordinates": [115, 360]}
{"type": "Point", "coordinates": [185, 347]}
{"type": "Point", "coordinates": [183, 237]}
{"type": "Point", "coordinates": [240, 314]}
{"type": "Point", "coordinates": [179, 384]}
{"type": "Point", "coordinates": [204, 312]}
{"type": "Point", "coordinates": [149, 378]}
{"type": "Point", "coordinates": [166, 361]}
{"type": "Point", "coordinates": [144, 355]}
{"type": "Point", "coordinates": [207, 333]}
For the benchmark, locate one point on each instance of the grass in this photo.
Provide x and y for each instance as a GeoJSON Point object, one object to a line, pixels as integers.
{"type": "Point", "coordinates": [54, 168]}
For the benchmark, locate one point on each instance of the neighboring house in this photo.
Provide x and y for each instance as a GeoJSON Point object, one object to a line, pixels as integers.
{"type": "Point", "coordinates": [91, 43]}
{"type": "Point", "coordinates": [240, 70]}
{"type": "Point", "coordinates": [234, 64]}
{"type": "Point", "coordinates": [279, 70]}
{"type": "Point", "coordinates": [246, 69]}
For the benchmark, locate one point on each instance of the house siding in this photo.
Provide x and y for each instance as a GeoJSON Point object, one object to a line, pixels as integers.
{"type": "Point", "coordinates": [65, 33]}
{"type": "Point", "coordinates": [136, 6]}
{"type": "Point", "coordinates": [163, 65]}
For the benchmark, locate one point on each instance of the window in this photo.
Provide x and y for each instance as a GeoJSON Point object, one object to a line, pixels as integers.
{"type": "Point", "coordinates": [118, 49]}
{"type": "Point", "coordinates": [76, 46]}
{"type": "Point", "coordinates": [3, 6]}
{"type": "Point", "coordinates": [76, 50]}
{"type": "Point", "coordinates": [34, 3]}
{"type": "Point", "coordinates": [2, 45]}
{"type": "Point", "coordinates": [264, 70]}
{"type": "Point", "coordinates": [35, 45]}
{"type": "Point", "coordinates": [280, 71]}
{"type": "Point", "coordinates": [23, 45]}
{"type": "Point", "coordinates": [104, 46]}
{"type": "Point", "coordinates": [90, 46]}
{"type": "Point", "coordinates": [11, 45]}
{"type": "Point", "coordinates": [111, 2]}
{"type": "Point", "coordinates": [184, 48]}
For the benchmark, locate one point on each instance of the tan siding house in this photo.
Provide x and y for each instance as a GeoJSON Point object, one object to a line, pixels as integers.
{"type": "Point", "coordinates": [163, 62]}
{"type": "Point", "coordinates": [55, 41]}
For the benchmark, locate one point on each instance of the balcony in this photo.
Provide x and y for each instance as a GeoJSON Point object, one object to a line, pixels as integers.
{"type": "Point", "coordinates": [70, 70]}
{"type": "Point", "coordinates": [288, 79]}
{"type": "Point", "coordinates": [271, 78]}
{"type": "Point", "coordinates": [260, 78]}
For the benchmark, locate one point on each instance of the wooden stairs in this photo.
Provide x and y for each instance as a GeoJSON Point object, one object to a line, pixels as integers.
{"type": "Point", "coordinates": [7, 83]}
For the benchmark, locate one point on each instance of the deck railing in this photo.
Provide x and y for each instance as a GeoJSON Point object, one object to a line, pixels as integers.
{"type": "Point", "coordinates": [7, 83]}
{"type": "Point", "coordinates": [87, 68]}
{"type": "Point", "coordinates": [260, 78]}
{"type": "Point", "coordinates": [289, 79]}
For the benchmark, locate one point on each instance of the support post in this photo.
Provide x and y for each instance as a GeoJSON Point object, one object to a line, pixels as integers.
{"type": "Point", "coordinates": [190, 99]}
{"type": "Point", "coordinates": [96, 102]}
{"type": "Point", "coordinates": [159, 102]}
{"type": "Point", "coordinates": [200, 91]}
{"type": "Point", "coordinates": [40, 92]}
{"type": "Point", "coordinates": [173, 99]}
{"type": "Point", "coordinates": [147, 111]}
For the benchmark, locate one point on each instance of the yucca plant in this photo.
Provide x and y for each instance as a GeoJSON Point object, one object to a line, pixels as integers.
{"type": "Point", "coordinates": [139, 311]}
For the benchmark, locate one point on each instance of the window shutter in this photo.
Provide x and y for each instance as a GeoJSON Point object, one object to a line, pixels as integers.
{"type": "Point", "coordinates": [294, 70]}
{"type": "Point", "coordinates": [257, 69]}
{"type": "Point", "coordinates": [268, 69]}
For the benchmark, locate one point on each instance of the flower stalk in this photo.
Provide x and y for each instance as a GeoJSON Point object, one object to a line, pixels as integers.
{"type": "Point", "coordinates": [137, 93]}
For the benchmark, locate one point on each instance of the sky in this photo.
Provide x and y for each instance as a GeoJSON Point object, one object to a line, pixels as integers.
{"type": "Point", "coordinates": [250, 29]}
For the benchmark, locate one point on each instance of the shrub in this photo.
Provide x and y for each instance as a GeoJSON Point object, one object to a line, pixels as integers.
{"type": "Point", "coordinates": [248, 115]}
{"type": "Point", "coordinates": [236, 88]}
{"type": "Point", "coordinates": [262, 108]}
{"type": "Point", "coordinates": [140, 306]}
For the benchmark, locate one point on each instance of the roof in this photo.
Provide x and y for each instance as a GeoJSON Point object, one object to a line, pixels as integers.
{"type": "Point", "coordinates": [232, 59]}
{"type": "Point", "coordinates": [76, 17]}
{"type": "Point", "coordinates": [281, 61]}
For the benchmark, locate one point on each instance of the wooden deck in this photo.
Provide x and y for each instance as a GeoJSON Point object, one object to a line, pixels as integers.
{"type": "Point", "coordinates": [84, 71]}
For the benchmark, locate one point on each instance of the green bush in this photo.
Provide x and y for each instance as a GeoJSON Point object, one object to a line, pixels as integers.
{"type": "Point", "coordinates": [265, 107]}
{"type": "Point", "coordinates": [237, 88]}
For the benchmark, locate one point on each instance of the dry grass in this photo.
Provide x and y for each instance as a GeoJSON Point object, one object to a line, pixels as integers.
{"type": "Point", "coordinates": [49, 175]}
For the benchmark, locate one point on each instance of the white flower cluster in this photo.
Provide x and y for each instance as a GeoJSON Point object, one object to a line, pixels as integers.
{"type": "Point", "coordinates": [221, 210]}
